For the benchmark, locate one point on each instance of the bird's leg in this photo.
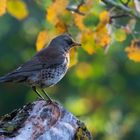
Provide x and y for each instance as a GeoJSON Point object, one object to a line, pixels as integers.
{"type": "Point", "coordinates": [34, 89]}
{"type": "Point", "coordinates": [49, 98]}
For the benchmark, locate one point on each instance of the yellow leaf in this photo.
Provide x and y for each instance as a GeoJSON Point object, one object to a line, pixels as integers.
{"type": "Point", "coordinates": [73, 57]}
{"type": "Point", "coordinates": [2, 7]}
{"type": "Point", "coordinates": [83, 70]}
{"type": "Point", "coordinates": [133, 51]}
{"type": "Point", "coordinates": [88, 43]}
{"type": "Point", "coordinates": [104, 20]}
{"type": "Point", "coordinates": [89, 48]}
{"type": "Point", "coordinates": [131, 4]}
{"type": "Point", "coordinates": [91, 40]}
{"type": "Point", "coordinates": [60, 27]}
{"type": "Point", "coordinates": [55, 10]}
{"type": "Point", "coordinates": [102, 37]}
{"type": "Point", "coordinates": [41, 40]}
{"type": "Point", "coordinates": [17, 8]}
{"type": "Point", "coordinates": [78, 19]}
{"type": "Point", "coordinates": [104, 17]}
{"type": "Point", "coordinates": [85, 8]}
{"type": "Point", "coordinates": [105, 40]}
{"type": "Point", "coordinates": [120, 35]}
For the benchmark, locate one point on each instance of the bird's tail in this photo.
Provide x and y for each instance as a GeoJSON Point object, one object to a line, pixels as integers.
{"type": "Point", "coordinates": [12, 77]}
{"type": "Point", "coordinates": [4, 79]}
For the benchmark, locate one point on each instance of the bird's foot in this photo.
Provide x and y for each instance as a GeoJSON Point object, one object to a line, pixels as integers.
{"type": "Point", "coordinates": [39, 95]}
{"type": "Point", "coordinates": [49, 98]}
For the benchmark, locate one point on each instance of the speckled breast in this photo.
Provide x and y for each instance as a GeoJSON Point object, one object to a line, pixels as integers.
{"type": "Point", "coordinates": [51, 76]}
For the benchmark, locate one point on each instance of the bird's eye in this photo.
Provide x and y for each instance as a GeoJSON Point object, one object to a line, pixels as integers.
{"type": "Point", "coordinates": [69, 41]}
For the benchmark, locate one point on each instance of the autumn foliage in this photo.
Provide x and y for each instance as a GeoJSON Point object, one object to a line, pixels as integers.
{"type": "Point", "coordinates": [96, 28]}
{"type": "Point", "coordinates": [109, 31]}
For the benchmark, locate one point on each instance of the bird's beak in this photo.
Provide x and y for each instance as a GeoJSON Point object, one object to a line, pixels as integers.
{"type": "Point", "coordinates": [76, 44]}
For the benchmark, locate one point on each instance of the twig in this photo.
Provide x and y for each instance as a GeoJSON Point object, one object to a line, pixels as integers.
{"type": "Point", "coordinates": [123, 8]}
{"type": "Point", "coordinates": [76, 9]}
{"type": "Point", "coordinates": [119, 16]}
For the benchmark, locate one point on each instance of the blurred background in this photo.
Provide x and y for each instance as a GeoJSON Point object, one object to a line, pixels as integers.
{"type": "Point", "coordinates": [103, 90]}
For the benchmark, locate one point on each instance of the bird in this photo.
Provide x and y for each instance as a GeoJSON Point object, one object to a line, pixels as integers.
{"type": "Point", "coordinates": [46, 68]}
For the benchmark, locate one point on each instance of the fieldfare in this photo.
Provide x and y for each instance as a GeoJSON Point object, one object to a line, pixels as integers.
{"type": "Point", "coordinates": [47, 67]}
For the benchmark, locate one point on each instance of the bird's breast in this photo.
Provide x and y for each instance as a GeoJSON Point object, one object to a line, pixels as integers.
{"type": "Point", "coordinates": [52, 76]}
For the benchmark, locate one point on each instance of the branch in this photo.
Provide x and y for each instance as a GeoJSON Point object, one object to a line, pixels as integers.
{"type": "Point", "coordinates": [76, 8]}
{"type": "Point", "coordinates": [42, 120]}
{"type": "Point", "coordinates": [123, 8]}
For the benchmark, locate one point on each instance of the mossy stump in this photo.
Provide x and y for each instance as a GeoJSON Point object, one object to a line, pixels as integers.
{"type": "Point", "coordinates": [42, 120]}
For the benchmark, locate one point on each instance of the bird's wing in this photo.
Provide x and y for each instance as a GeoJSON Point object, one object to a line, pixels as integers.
{"type": "Point", "coordinates": [27, 69]}
{"type": "Point", "coordinates": [36, 64]}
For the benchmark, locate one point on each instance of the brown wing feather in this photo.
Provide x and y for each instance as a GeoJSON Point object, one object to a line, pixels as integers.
{"type": "Point", "coordinates": [41, 60]}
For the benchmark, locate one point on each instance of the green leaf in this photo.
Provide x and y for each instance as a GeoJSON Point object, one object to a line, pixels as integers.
{"type": "Point", "coordinates": [120, 35]}
{"type": "Point", "coordinates": [91, 20]}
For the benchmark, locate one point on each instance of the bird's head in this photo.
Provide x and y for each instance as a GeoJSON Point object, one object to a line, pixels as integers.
{"type": "Point", "coordinates": [64, 43]}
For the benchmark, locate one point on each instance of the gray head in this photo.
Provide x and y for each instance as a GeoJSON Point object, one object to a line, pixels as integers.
{"type": "Point", "coordinates": [63, 43]}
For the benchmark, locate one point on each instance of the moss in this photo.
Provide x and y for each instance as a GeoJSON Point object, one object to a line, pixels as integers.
{"type": "Point", "coordinates": [11, 122]}
{"type": "Point", "coordinates": [82, 133]}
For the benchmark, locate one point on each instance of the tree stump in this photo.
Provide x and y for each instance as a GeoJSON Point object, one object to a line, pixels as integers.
{"type": "Point", "coordinates": [42, 120]}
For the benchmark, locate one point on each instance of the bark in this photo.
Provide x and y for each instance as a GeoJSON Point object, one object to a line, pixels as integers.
{"type": "Point", "coordinates": [42, 120]}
